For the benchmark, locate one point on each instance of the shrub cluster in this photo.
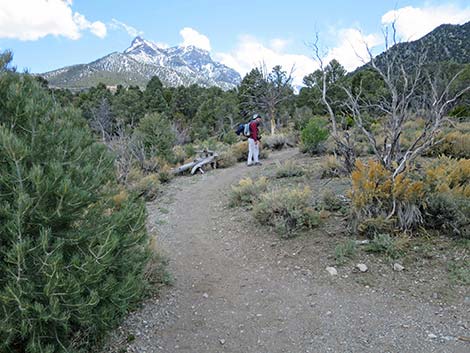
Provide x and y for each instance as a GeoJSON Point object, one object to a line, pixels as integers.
{"type": "Point", "coordinates": [279, 141]}
{"type": "Point", "coordinates": [331, 167]}
{"type": "Point", "coordinates": [453, 144]}
{"type": "Point", "coordinates": [375, 195]}
{"type": "Point", "coordinates": [289, 169]}
{"type": "Point", "coordinates": [287, 210]}
{"type": "Point", "coordinates": [247, 191]}
{"type": "Point", "coordinates": [438, 197]}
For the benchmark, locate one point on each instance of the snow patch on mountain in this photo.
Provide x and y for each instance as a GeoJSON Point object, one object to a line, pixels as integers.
{"type": "Point", "coordinates": [180, 65]}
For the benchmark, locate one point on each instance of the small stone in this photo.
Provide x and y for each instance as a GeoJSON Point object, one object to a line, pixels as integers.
{"type": "Point", "coordinates": [398, 267]}
{"type": "Point", "coordinates": [432, 335]}
{"type": "Point", "coordinates": [362, 267]}
{"type": "Point", "coordinates": [222, 341]}
{"type": "Point", "coordinates": [205, 295]}
{"type": "Point", "coordinates": [331, 270]}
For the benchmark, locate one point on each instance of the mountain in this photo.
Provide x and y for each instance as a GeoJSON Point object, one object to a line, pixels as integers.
{"type": "Point", "coordinates": [444, 43]}
{"type": "Point", "coordinates": [143, 59]}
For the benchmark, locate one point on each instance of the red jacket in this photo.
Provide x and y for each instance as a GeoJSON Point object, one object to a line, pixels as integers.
{"type": "Point", "coordinates": [254, 134]}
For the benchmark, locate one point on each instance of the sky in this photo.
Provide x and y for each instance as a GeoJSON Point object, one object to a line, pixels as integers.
{"type": "Point", "coordinates": [48, 34]}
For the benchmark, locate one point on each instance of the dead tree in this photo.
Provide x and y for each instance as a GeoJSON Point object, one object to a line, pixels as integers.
{"type": "Point", "coordinates": [120, 143]}
{"type": "Point", "coordinates": [344, 142]}
{"type": "Point", "coordinates": [102, 120]}
{"type": "Point", "coordinates": [412, 91]}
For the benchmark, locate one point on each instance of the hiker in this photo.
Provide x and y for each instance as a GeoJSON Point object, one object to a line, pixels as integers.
{"type": "Point", "coordinates": [254, 141]}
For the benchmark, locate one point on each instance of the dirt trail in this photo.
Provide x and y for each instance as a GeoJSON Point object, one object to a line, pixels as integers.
{"type": "Point", "coordinates": [234, 293]}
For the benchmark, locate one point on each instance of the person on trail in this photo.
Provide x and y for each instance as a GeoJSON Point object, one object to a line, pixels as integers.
{"type": "Point", "coordinates": [253, 141]}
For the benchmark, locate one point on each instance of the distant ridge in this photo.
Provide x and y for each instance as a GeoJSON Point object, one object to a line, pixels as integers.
{"type": "Point", "coordinates": [175, 66]}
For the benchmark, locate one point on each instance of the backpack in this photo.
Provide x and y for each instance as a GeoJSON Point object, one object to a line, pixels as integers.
{"type": "Point", "coordinates": [246, 130]}
{"type": "Point", "coordinates": [243, 129]}
{"type": "Point", "coordinates": [240, 128]}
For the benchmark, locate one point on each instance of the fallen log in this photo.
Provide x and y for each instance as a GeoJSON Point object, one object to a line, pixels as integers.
{"type": "Point", "coordinates": [184, 167]}
{"type": "Point", "coordinates": [205, 157]}
{"type": "Point", "coordinates": [200, 164]}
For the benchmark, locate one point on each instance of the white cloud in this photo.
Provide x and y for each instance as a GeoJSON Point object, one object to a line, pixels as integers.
{"type": "Point", "coordinates": [132, 31]}
{"type": "Point", "coordinates": [250, 52]}
{"type": "Point", "coordinates": [412, 22]}
{"type": "Point", "coordinates": [351, 50]}
{"type": "Point", "coordinates": [34, 19]}
{"type": "Point", "coordinates": [193, 37]}
{"type": "Point", "coordinates": [278, 44]}
{"type": "Point", "coordinates": [97, 28]}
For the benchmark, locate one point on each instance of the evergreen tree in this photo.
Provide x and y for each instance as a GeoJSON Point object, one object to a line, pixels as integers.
{"type": "Point", "coordinates": [250, 92]}
{"type": "Point", "coordinates": [71, 254]}
{"type": "Point", "coordinates": [128, 107]}
{"type": "Point", "coordinates": [157, 136]}
{"type": "Point", "coordinates": [153, 97]}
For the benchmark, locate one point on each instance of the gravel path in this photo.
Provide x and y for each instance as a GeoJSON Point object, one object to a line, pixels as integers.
{"type": "Point", "coordinates": [234, 293]}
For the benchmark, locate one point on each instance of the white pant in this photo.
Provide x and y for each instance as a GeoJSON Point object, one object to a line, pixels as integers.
{"type": "Point", "coordinates": [253, 151]}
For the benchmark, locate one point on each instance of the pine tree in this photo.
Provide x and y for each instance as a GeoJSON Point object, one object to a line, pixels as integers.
{"type": "Point", "coordinates": [153, 97]}
{"type": "Point", "coordinates": [71, 257]}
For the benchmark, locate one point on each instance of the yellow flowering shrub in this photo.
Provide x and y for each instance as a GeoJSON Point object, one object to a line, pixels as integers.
{"type": "Point", "coordinates": [376, 195]}
{"type": "Point", "coordinates": [437, 197]}
{"type": "Point", "coordinates": [449, 175]}
{"type": "Point", "coordinates": [454, 144]}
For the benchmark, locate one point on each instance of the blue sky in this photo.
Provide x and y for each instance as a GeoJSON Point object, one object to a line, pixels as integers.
{"type": "Point", "coordinates": [46, 35]}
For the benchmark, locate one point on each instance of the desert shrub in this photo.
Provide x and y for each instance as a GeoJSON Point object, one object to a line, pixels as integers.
{"type": "Point", "coordinates": [155, 132]}
{"type": "Point", "coordinates": [363, 148]}
{"type": "Point", "coordinates": [190, 150]}
{"type": "Point", "coordinates": [71, 261]}
{"type": "Point", "coordinates": [384, 244]}
{"type": "Point", "coordinates": [289, 169]}
{"type": "Point", "coordinates": [179, 154]}
{"type": "Point", "coordinates": [344, 251]}
{"type": "Point", "coordinates": [454, 144]}
{"type": "Point", "coordinates": [449, 175]}
{"type": "Point", "coordinates": [146, 187]}
{"type": "Point", "coordinates": [331, 202]}
{"type": "Point", "coordinates": [438, 197]}
{"type": "Point", "coordinates": [247, 191]}
{"type": "Point", "coordinates": [226, 159]}
{"type": "Point", "coordinates": [330, 145]}
{"type": "Point", "coordinates": [448, 212]}
{"type": "Point", "coordinates": [240, 151]}
{"type": "Point", "coordinates": [448, 199]}
{"type": "Point", "coordinates": [313, 136]}
{"type": "Point", "coordinates": [331, 167]}
{"type": "Point", "coordinates": [278, 141]}
{"type": "Point", "coordinates": [287, 210]}
{"type": "Point", "coordinates": [164, 173]}
{"type": "Point", "coordinates": [375, 195]}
